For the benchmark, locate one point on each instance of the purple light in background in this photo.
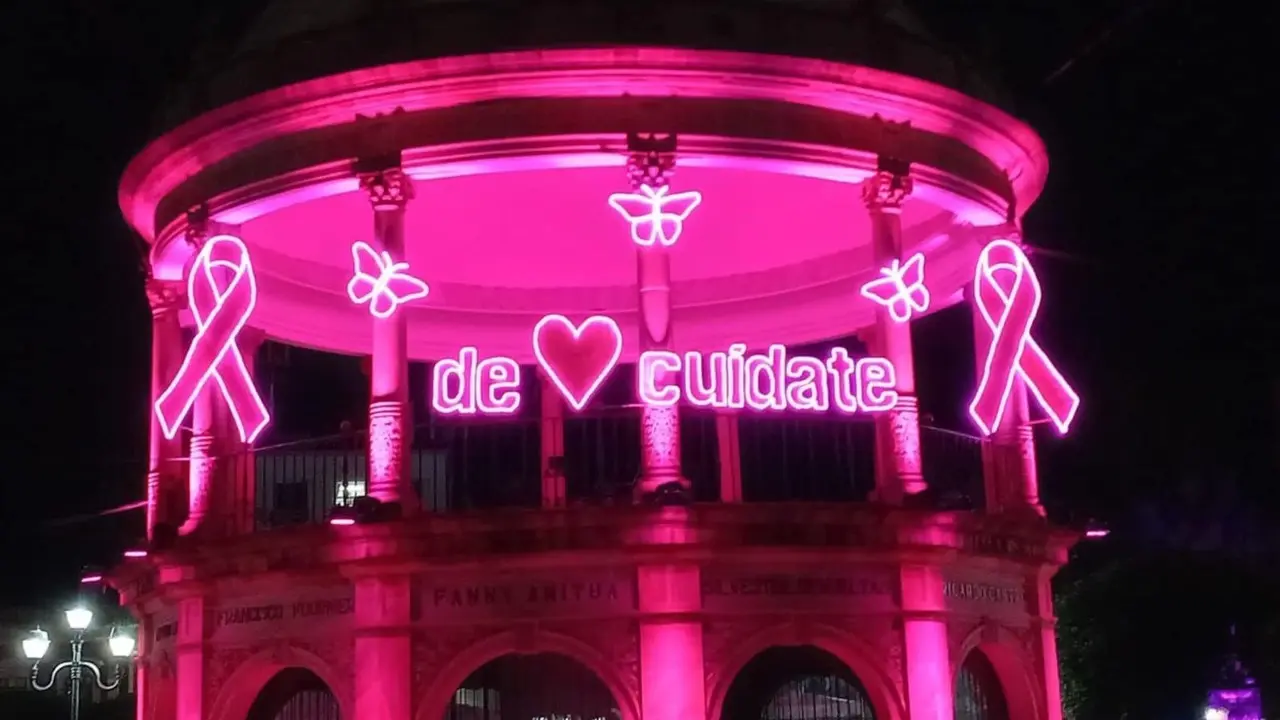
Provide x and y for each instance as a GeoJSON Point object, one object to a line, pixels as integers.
{"type": "Point", "coordinates": [1238, 704]}
{"type": "Point", "coordinates": [1240, 699]}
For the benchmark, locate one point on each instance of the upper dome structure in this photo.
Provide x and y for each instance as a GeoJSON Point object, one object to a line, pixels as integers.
{"type": "Point", "coordinates": [782, 110]}
{"type": "Point", "coordinates": [295, 40]}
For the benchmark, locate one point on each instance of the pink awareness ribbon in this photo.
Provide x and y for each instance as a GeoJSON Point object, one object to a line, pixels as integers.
{"type": "Point", "coordinates": [1007, 296]}
{"type": "Point", "coordinates": [222, 292]}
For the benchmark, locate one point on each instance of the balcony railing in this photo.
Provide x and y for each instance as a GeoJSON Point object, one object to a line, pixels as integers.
{"type": "Point", "coordinates": [461, 465]}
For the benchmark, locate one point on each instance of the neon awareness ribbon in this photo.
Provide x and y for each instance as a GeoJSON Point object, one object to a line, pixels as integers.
{"type": "Point", "coordinates": [1007, 296]}
{"type": "Point", "coordinates": [222, 292]}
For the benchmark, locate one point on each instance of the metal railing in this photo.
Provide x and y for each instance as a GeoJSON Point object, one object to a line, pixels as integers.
{"type": "Point", "coordinates": [475, 464]}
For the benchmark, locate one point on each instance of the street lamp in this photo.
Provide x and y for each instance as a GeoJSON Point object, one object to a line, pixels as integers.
{"type": "Point", "coordinates": [78, 619]}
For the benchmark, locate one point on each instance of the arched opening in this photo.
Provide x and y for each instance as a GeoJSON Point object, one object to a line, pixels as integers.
{"type": "Point", "coordinates": [979, 695]}
{"type": "Point", "coordinates": [295, 694]}
{"type": "Point", "coordinates": [543, 685]}
{"type": "Point", "coordinates": [796, 683]}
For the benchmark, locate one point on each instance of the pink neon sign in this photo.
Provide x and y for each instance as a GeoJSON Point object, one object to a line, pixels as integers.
{"type": "Point", "coordinates": [1007, 296]}
{"type": "Point", "coordinates": [468, 385]}
{"type": "Point", "coordinates": [577, 358]}
{"type": "Point", "coordinates": [381, 281]}
{"type": "Point", "coordinates": [222, 292]}
{"type": "Point", "coordinates": [769, 381]}
{"type": "Point", "coordinates": [654, 215]}
{"type": "Point", "coordinates": [900, 289]}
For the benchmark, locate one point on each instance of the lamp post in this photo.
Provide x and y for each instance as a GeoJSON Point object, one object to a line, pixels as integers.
{"type": "Point", "coordinates": [78, 619]}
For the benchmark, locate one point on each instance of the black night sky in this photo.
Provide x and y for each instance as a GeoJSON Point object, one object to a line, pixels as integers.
{"type": "Point", "coordinates": [1159, 304]}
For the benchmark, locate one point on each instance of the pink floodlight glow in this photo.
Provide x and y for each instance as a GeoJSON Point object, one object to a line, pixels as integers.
{"type": "Point", "coordinates": [468, 385]}
{"type": "Point", "coordinates": [654, 215]}
{"type": "Point", "coordinates": [766, 382]}
{"type": "Point", "coordinates": [342, 521]}
{"type": "Point", "coordinates": [221, 303]}
{"type": "Point", "coordinates": [900, 289]}
{"type": "Point", "coordinates": [135, 553]}
{"type": "Point", "coordinates": [1007, 295]}
{"type": "Point", "coordinates": [577, 358]}
{"type": "Point", "coordinates": [382, 282]}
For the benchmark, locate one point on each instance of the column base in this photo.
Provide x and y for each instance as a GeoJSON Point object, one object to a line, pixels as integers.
{"type": "Point", "coordinates": [663, 490]}
{"type": "Point", "coordinates": [554, 493]}
{"type": "Point", "coordinates": [203, 465]}
{"type": "Point", "coordinates": [388, 479]}
{"type": "Point", "coordinates": [660, 477]}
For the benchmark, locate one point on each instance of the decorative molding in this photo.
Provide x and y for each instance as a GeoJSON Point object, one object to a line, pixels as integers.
{"type": "Point", "coordinates": [388, 189]}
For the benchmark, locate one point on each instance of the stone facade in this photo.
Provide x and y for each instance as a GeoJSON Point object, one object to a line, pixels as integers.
{"type": "Point", "coordinates": [594, 585]}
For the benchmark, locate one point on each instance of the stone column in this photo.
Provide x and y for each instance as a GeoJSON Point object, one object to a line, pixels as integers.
{"type": "Point", "coordinates": [1010, 480]}
{"type": "Point", "coordinates": [236, 486]}
{"type": "Point", "coordinates": [671, 664]}
{"type": "Point", "coordinates": [651, 161]}
{"type": "Point", "coordinates": [191, 661]}
{"type": "Point", "coordinates": [142, 666]}
{"type": "Point", "coordinates": [202, 462]}
{"type": "Point", "coordinates": [207, 447]}
{"type": "Point", "coordinates": [383, 645]}
{"type": "Point", "coordinates": [390, 414]}
{"type": "Point", "coordinates": [1043, 616]}
{"type": "Point", "coordinates": [552, 433]}
{"type": "Point", "coordinates": [898, 466]}
{"type": "Point", "coordinates": [730, 456]}
{"type": "Point", "coordinates": [164, 483]}
{"type": "Point", "coordinates": [930, 687]}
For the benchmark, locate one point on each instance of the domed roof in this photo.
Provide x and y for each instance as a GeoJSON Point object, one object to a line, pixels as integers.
{"type": "Point", "coordinates": [293, 40]}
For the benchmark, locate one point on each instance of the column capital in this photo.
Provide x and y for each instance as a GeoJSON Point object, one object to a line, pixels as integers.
{"type": "Point", "coordinates": [164, 296]}
{"type": "Point", "coordinates": [888, 186]}
{"type": "Point", "coordinates": [388, 189]}
{"type": "Point", "coordinates": [250, 339]}
{"type": "Point", "coordinates": [651, 159]}
{"type": "Point", "coordinates": [197, 225]}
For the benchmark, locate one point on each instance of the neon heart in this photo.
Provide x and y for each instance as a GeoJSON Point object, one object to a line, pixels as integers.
{"type": "Point", "coordinates": [578, 358]}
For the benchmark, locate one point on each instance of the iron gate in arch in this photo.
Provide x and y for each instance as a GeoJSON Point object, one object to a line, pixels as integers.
{"type": "Point", "coordinates": [295, 694]}
{"type": "Point", "coordinates": [542, 686]}
{"type": "Point", "coordinates": [796, 683]}
{"type": "Point", "coordinates": [979, 695]}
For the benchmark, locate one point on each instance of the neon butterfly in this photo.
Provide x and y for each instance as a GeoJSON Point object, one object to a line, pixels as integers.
{"type": "Point", "coordinates": [654, 215]}
{"type": "Point", "coordinates": [901, 289]}
{"type": "Point", "coordinates": [388, 287]}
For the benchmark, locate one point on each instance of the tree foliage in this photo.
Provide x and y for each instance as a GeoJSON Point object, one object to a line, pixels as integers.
{"type": "Point", "coordinates": [1145, 636]}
